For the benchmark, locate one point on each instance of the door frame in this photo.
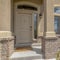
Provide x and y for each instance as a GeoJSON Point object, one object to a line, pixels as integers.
{"type": "Point", "coordinates": [28, 11]}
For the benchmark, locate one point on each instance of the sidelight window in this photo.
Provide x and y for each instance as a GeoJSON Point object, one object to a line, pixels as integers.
{"type": "Point", "coordinates": [35, 26]}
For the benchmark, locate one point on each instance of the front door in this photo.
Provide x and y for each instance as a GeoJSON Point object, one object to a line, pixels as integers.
{"type": "Point", "coordinates": [23, 27]}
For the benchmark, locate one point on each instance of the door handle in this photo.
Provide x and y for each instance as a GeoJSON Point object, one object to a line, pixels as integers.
{"type": "Point", "coordinates": [30, 26]}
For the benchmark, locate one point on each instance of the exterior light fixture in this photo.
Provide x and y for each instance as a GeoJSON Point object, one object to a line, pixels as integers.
{"type": "Point", "coordinates": [40, 14]}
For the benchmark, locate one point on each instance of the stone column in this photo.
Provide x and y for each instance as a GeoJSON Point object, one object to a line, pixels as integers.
{"type": "Point", "coordinates": [49, 42]}
{"type": "Point", "coordinates": [6, 48]}
{"type": "Point", "coordinates": [6, 38]}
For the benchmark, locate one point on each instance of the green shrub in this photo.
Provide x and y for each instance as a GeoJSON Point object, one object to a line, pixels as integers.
{"type": "Point", "coordinates": [58, 56]}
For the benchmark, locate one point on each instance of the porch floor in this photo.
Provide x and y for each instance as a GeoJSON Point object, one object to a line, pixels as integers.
{"type": "Point", "coordinates": [22, 49]}
{"type": "Point", "coordinates": [28, 54]}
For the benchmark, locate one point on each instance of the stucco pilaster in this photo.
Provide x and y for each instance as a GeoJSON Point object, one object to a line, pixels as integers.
{"type": "Point", "coordinates": [5, 17]}
{"type": "Point", "coordinates": [6, 38]}
{"type": "Point", "coordinates": [49, 18]}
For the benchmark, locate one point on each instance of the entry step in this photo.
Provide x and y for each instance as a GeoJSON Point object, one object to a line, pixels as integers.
{"type": "Point", "coordinates": [27, 55]}
{"type": "Point", "coordinates": [23, 45]}
{"type": "Point", "coordinates": [27, 44]}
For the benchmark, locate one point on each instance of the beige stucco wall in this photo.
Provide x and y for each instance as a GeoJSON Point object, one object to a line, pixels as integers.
{"type": "Point", "coordinates": [33, 1]}
{"type": "Point", "coordinates": [57, 2]}
{"type": "Point", "coordinates": [5, 17]}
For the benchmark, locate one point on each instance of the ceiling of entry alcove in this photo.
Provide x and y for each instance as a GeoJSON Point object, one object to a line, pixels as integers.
{"type": "Point", "coordinates": [33, 1]}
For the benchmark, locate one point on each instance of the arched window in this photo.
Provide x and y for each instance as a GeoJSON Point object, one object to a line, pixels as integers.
{"type": "Point", "coordinates": [28, 7]}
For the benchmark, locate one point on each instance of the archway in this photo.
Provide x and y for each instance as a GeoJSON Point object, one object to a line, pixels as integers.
{"type": "Point", "coordinates": [24, 15]}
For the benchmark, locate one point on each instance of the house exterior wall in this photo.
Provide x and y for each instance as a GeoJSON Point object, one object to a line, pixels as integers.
{"type": "Point", "coordinates": [50, 41]}
{"type": "Point", "coordinates": [33, 1]}
{"type": "Point", "coordinates": [57, 2]}
{"type": "Point", "coordinates": [5, 18]}
{"type": "Point", "coordinates": [5, 15]}
{"type": "Point", "coordinates": [6, 27]}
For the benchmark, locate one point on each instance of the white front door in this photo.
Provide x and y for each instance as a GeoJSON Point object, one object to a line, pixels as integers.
{"type": "Point", "coordinates": [23, 27]}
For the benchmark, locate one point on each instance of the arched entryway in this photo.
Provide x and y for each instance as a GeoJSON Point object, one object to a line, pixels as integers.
{"type": "Point", "coordinates": [25, 22]}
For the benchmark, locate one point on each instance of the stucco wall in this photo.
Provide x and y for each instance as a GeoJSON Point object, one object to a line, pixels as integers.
{"type": "Point", "coordinates": [33, 1]}
{"type": "Point", "coordinates": [57, 2]}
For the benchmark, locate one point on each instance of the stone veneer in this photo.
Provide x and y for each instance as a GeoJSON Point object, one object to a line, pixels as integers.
{"type": "Point", "coordinates": [50, 47]}
{"type": "Point", "coordinates": [6, 47]}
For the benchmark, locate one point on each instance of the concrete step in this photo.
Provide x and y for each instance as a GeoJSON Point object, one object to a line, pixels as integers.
{"type": "Point", "coordinates": [27, 44]}
{"type": "Point", "coordinates": [34, 54]}
{"type": "Point", "coordinates": [23, 45]}
{"type": "Point", "coordinates": [37, 48]}
{"type": "Point", "coordinates": [36, 44]}
{"type": "Point", "coordinates": [27, 55]}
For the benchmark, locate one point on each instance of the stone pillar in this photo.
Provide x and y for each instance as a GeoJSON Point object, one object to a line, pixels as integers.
{"type": "Point", "coordinates": [49, 42]}
{"type": "Point", "coordinates": [6, 40]}
{"type": "Point", "coordinates": [6, 47]}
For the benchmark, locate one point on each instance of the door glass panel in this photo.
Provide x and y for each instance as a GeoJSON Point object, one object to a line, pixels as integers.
{"type": "Point", "coordinates": [35, 26]}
